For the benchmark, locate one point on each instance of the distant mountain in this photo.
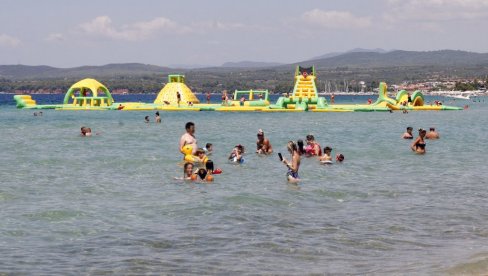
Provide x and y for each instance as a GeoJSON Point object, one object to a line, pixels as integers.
{"type": "Point", "coordinates": [46, 72]}
{"type": "Point", "coordinates": [400, 58]}
{"type": "Point", "coordinates": [190, 66]}
{"type": "Point", "coordinates": [356, 58]}
{"type": "Point", "coordinates": [355, 50]}
{"type": "Point", "coordinates": [250, 64]}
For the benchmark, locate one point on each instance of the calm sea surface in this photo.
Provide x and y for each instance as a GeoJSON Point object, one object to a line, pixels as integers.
{"type": "Point", "coordinates": [109, 204]}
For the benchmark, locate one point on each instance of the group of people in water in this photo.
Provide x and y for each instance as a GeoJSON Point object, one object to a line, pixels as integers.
{"type": "Point", "coordinates": [418, 145]}
{"type": "Point", "coordinates": [157, 118]}
{"type": "Point", "coordinates": [199, 167]}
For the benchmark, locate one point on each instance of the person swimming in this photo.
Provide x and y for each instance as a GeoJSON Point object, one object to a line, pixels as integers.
{"type": "Point", "coordinates": [157, 117]}
{"type": "Point", "coordinates": [312, 148]}
{"type": "Point", "coordinates": [432, 134]}
{"type": "Point", "coordinates": [208, 149]}
{"type": "Point", "coordinates": [418, 146]}
{"type": "Point", "coordinates": [146, 119]}
{"type": "Point", "coordinates": [339, 157]}
{"type": "Point", "coordinates": [326, 158]}
{"type": "Point", "coordinates": [408, 134]}
{"type": "Point", "coordinates": [86, 131]}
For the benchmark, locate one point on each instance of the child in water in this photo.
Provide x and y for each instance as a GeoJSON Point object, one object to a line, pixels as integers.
{"type": "Point", "coordinates": [326, 158]}
{"type": "Point", "coordinates": [208, 149]}
{"type": "Point", "coordinates": [200, 156]}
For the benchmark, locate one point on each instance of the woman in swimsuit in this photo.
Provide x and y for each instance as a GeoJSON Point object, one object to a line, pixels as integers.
{"type": "Point", "coordinates": [294, 164]}
{"type": "Point", "coordinates": [418, 146]}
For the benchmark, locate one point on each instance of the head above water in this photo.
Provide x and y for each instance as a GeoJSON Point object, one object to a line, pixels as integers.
{"type": "Point", "coordinates": [432, 129]}
{"type": "Point", "coordinates": [209, 166]}
{"type": "Point", "coordinates": [327, 149]}
{"type": "Point", "coordinates": [310, 138]}
{"type": "Point", "coordinates": [409, 129]}
{"type": "Point", "coordinates": [202, 173]}
{"type": "Point", "coordinates": [291, 146]}
{"type": "Point", "coordinates": [339, 157]}
{"type": "Point", "coordinates": [190, 127]}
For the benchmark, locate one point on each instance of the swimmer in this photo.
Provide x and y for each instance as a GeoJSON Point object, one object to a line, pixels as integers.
{"type": "Point", "coordinates": [208, 148]}
{"type": "Point", "coordinates": [200, 156]}
{"type": "Point", "coordinates": [188, 138]}
{"type": "Point", "coordinates": [236, 154]}
{"type": "Point", "coordinates": [339, 157]}
{"type": "Point", "coordinates": [86, 131]}
{"type": "Point", "coordinates": [432, 135]}
{"type": "Point", "coordinates": [312, 148]}
{"type": "Point", "coordinates": [326, 158]}
{"type": "Point", "coordinates": [146, 119]}
{"type": "Point", "coordinates": [187, 172]}
{"type": "Point", "coordinates": [263, 144]}
{"type": "Point", "coordinates": [40, 113]}
{"type": "Point", "coordinates": [408, 134]}
{"type": "Point", "coordinates": [418, 146]}
{"type": "Point", "coordinates": [157, 118]}
{"type": "Point", "coordinates": [294, 164]}
{"type": "Point", "coordinates": [210, 168]}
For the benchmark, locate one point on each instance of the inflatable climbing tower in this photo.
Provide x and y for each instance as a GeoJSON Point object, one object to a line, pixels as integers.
{"type": "Point", "coordinates": [176, 84]}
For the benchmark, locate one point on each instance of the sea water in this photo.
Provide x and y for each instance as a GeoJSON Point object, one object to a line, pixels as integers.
{"type": "Point", "coordinates": [109, 204]}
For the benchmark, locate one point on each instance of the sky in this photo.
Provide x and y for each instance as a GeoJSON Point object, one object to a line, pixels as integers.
{"type": "Point", "coordinates": [208, 33]}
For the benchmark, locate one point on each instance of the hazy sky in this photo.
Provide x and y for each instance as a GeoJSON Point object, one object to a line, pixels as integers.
{"type": "Point", "coordinates": [74, 33]}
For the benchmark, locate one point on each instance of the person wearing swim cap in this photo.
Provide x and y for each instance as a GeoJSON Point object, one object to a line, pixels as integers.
{"type": "Point", "coordinates": [263, 144]}
{"type": "Point", "coordinates": [188, 138]}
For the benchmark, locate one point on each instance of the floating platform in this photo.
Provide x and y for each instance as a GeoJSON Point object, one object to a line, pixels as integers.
{"type": "Point", "coordinates": [89, 94]}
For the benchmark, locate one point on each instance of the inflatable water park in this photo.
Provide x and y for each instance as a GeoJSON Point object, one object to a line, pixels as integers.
{"type": "Point", "coordinates": [89, 94]}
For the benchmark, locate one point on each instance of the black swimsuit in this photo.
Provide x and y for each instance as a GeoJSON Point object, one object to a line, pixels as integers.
{"type": "Point", "coordinates": [420, 145]}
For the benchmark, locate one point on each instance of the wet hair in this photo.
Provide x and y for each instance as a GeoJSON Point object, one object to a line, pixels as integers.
{"type": "Point", "coordinates": [202, 173]}
{"type": "Point", "coordinates": [186, 166]}
{"type": "Point", "coordinates": [409, 128]}
{"type": "Point", "coordinates": [291, 146]}
{"type": "Point", "coordinates": [157, 113]}
{"type": "Point", "coordinates": [147, 117]}
{"type": "Point", "coordinates": [432, 128]}
{"type": "Point", "coordinates": [327, 149]}
{"type": "Point", "coordinates": [301, 150]}
{"type": "Point", "coordinates": [241, 147]}
{"type": "Point", "coordinates": [209, 165]}
{"type": "Point", "coordinates": [340, 157]}
{"type": "Point", "coordinates": [208, 145]}
{"type": "Point", "coordinates": [310, 137]}
{"type": "Point", "coordinates": [189, 125]}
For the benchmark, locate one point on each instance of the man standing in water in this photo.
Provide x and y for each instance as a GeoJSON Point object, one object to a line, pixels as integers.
{"type": "Point", "coordinates": [189, 137]}
{"type": "Point", "coordinates": [263, 144]}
